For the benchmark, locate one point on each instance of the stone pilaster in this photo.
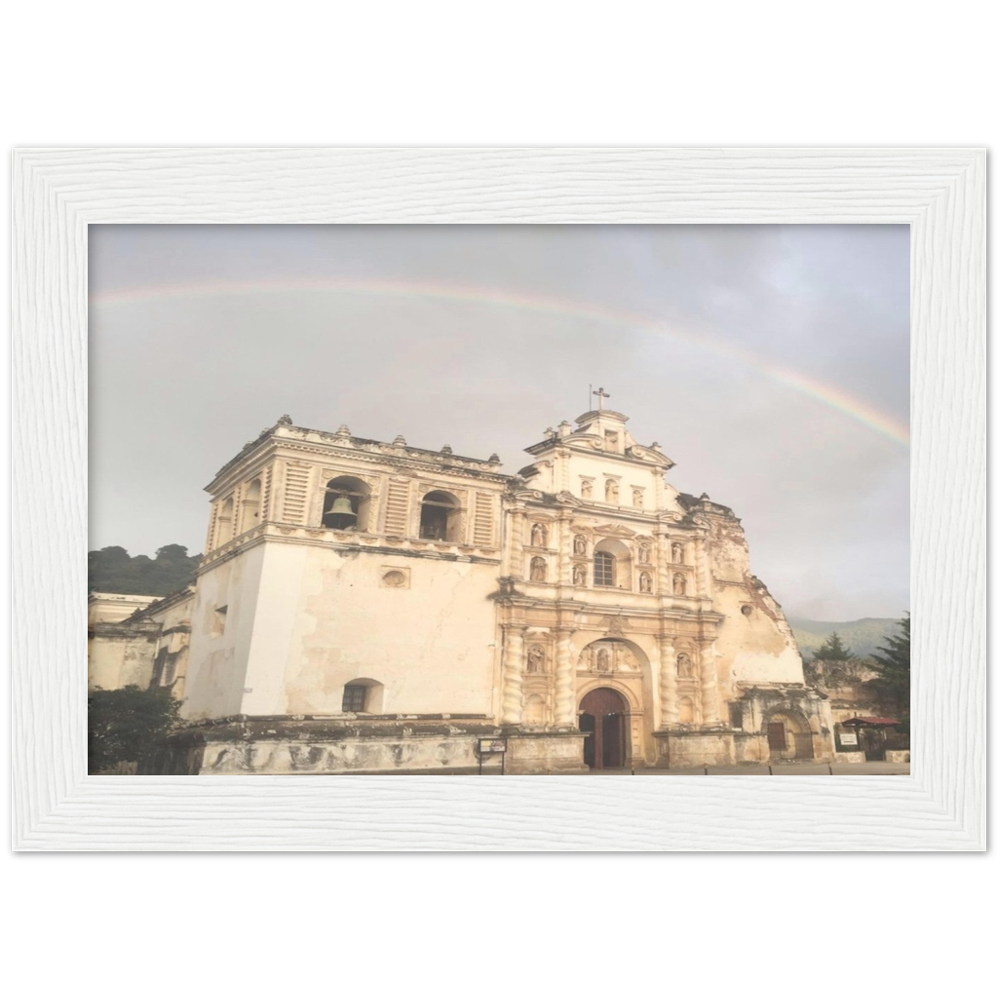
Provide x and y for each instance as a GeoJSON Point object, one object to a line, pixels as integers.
{"type": "Point", "coordinates": [513, 668]}
{"type": "Point", "coordinates": [664, 585]}
{"type": "Point", "coordinates": [668, 682]}
{"type": "Point", "coordinates": [565, 714]}
{"type": "Point", "coordinates": [709, 684]}
{"type": "Point", "coordinates": [701, 574]}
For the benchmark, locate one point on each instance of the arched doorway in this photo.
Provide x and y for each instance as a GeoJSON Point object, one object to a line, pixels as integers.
{"type": "Point", "coordinates": [788, 736]}
{"type": "Point", "coordinates": [604, 719]}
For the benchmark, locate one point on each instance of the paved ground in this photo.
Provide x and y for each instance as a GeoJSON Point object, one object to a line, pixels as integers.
{"type": "Point", "coordinates": [873, 767]}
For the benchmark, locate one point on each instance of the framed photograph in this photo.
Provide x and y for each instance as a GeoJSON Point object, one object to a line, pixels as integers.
{"type": "Point", "coordinates": [392, 645]}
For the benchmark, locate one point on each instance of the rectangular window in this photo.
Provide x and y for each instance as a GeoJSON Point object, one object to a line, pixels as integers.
{"type": "Point", "coordinates": [604, 569]}
{"type": "Point", "coordinates": [354, 698]}
{"type": "Point", "coordinates": [735, 716]}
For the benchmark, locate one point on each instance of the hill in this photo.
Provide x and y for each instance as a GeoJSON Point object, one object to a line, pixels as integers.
{"type": "Point", "coordinates": [862, 637]}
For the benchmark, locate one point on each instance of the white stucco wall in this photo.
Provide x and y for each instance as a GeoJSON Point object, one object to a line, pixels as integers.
{"type": "Point", "coordinates": [217, 662]}
{"type": "Point", "coordinates": [331, 620]}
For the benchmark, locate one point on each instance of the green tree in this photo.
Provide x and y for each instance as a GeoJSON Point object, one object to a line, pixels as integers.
{"type": "Point", "coordinates": [126, 725]}
{"type": "Point", "coordinates": [112, 570]}
{"type": "Point", "coordinates": [833, 649]}
{"type": "Point", "coordinates": [892, 663]}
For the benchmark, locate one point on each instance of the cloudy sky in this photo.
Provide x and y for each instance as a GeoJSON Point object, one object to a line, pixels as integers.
{"type": "Point", "coordinates": [770, 362]}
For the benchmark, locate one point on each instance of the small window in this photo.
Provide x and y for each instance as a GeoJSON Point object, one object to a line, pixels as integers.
{"type": "Point", "coordinates": [219, 621]}
{"type": "Point", "coordinates": [735, 716]}
{"type": "Point", "coordinates": [604, 569]}
{"type": "Point", "coordinates": [355, 696]}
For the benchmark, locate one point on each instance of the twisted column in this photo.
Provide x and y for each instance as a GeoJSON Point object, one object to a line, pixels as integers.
{"type": "Point", "coordinates": [565, 695]}
{"type": "Point", "coordinates": [565, 573]}
{"type": "Point", "coordinates": [516, 545]}
{"type": "Point", "coordinates": [513, 666]}
{"type": "Point", "coordinates": [668, 683]}
{"type": "Point", "coordinates": [709, 684]}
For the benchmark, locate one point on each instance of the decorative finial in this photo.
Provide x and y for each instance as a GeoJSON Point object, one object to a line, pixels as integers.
{"type": "Point", "coordinates": [343, 431]}
{"type": "Point", "coordinates": [494, 459]}
{"type": "Point", "coordinates": [704, 496]}
{"type": "Point", "coordinates": [550, 432]}
{"type": "Point", "coordinates": [446, 450]}
{"type": "Point", "coordinates": [399, 441]}
{"type": "Point", "coordinates": [285, 420]}
{"type": "Point", "coordinates": [601, 396]}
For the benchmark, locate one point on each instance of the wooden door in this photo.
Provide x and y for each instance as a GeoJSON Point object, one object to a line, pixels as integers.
{"type": "Point", "coordinates": [603, 717]}
{"type": "Point", "coordinates": [776, 737]}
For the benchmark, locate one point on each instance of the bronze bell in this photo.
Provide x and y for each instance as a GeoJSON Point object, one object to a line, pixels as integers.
{"type": "Point", "coordinates": [342, 506]}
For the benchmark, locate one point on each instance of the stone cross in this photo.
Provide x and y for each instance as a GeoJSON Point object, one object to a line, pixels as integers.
{"type": "Point", "coordinates": [601, 396]}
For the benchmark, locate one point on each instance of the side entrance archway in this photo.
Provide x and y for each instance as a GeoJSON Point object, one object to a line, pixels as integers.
{"type": "Point", "coordinates": [604, 720]}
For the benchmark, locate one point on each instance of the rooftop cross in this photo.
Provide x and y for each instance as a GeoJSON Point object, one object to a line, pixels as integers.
{"type": "Point", "coordinates": [601, 396]}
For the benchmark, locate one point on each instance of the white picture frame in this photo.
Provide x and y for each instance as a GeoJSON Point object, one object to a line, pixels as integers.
{"type": "Point", "coordinates": [940, 193]}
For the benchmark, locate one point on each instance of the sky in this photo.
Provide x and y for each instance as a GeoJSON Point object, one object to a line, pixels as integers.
{"type": "Point", "coordinates": [770, 362]}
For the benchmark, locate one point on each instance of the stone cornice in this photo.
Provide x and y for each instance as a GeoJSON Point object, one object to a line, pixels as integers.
{"type": "Point", "coordinates": [348, 542]}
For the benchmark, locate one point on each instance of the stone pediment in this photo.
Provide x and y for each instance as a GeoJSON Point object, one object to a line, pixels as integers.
{"type": "Point", "coordinates": [568, 500]}
{"type": "Point", "coordinates": [615, 530]}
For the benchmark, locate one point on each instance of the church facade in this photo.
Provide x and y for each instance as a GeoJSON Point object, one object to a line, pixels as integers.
{"type": "Point", "coordinates": [372, 607]}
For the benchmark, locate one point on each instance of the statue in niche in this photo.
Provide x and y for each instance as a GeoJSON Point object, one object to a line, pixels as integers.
{"type": "Point", "coordinates": [586, 488]}
{"type": "Point", "coordinates": [538, 536]}
{"type": "Point", "coordinates": [538, 569]}
{"type": "Point", "coordinates": [684, 666]}
{"type": "Point", "coordinates": [636, 498]}
{"type": "Point", "coordinates": [643, 552]}
{"type": "Point", "coordinates": [536, 660]}
{"type": "Point", "coordinates": [604, 659]}
{"type": "Point", "coordinates": [580, 545]}
{"type": "Point", "coordinates": [677, 551]}
{"type": "Point", "coordinates": [645, 583]}
{"type": "Point", "coordinates": [611, 491]}
{"type": "Point", "coordinates": [580, 575]}
{"type": "Point", "coordinates": [680, 585]}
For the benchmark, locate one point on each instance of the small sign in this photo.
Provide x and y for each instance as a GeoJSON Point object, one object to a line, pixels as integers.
{"type": "Point", "coordinates": [848, 739]}
{"type": "Point", "coordinates": [492, 746]}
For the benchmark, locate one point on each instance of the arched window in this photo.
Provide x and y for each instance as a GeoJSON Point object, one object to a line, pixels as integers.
{"type": "Point", "coordinates": [362, 695]}
{"type": "Point", "coordinates": [612, 564]}
{"type": "Point", "coordinates": [604, 569]}
{"type": "Point", "coordinates": [250, 508]}
{"type": "Point", "coordinates": [225, 531]}
{"type": "Point", "coordinates": [346, 504]}
{"type": "Point", "coordinates": [440, 516]}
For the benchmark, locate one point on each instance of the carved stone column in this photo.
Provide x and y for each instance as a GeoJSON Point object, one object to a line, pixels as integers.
{"type": "Point", "coordinates": [517, 544]}
{"type": "Point", "coordinates": [565, 714]}
{"type": "Point", "coordinates": [668, 682]}
{"type": "Point", "coordinates": [709, 684]}
{"type": "Point", "coordinates": [513, 667]}
{"type": "Point", "coordinates": [565, 575]}
{"type": "Point", "coordinates": [664, 586]}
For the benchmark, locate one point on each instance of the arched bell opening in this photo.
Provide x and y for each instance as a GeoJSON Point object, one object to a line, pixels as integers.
{"type": "Point", "coordinates": [440, 516]}
{"type": "Point", "coordinates": [346, 504]}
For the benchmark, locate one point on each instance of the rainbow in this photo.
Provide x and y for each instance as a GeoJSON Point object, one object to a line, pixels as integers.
{"type": "Point", "coordinates": [828, 395]}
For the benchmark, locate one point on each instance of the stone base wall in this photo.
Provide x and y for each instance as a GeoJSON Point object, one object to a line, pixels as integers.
{"type": "Point", "coordinates": [897, 756]}
{"type": "Point", "coordinates": [545, 753]}
{"type": "Point", "coordinates": [849, 757]}
{"type": "Point", "coordinates": [695, 749]}
{"type": "Point", "coordinates": [284, 745]}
